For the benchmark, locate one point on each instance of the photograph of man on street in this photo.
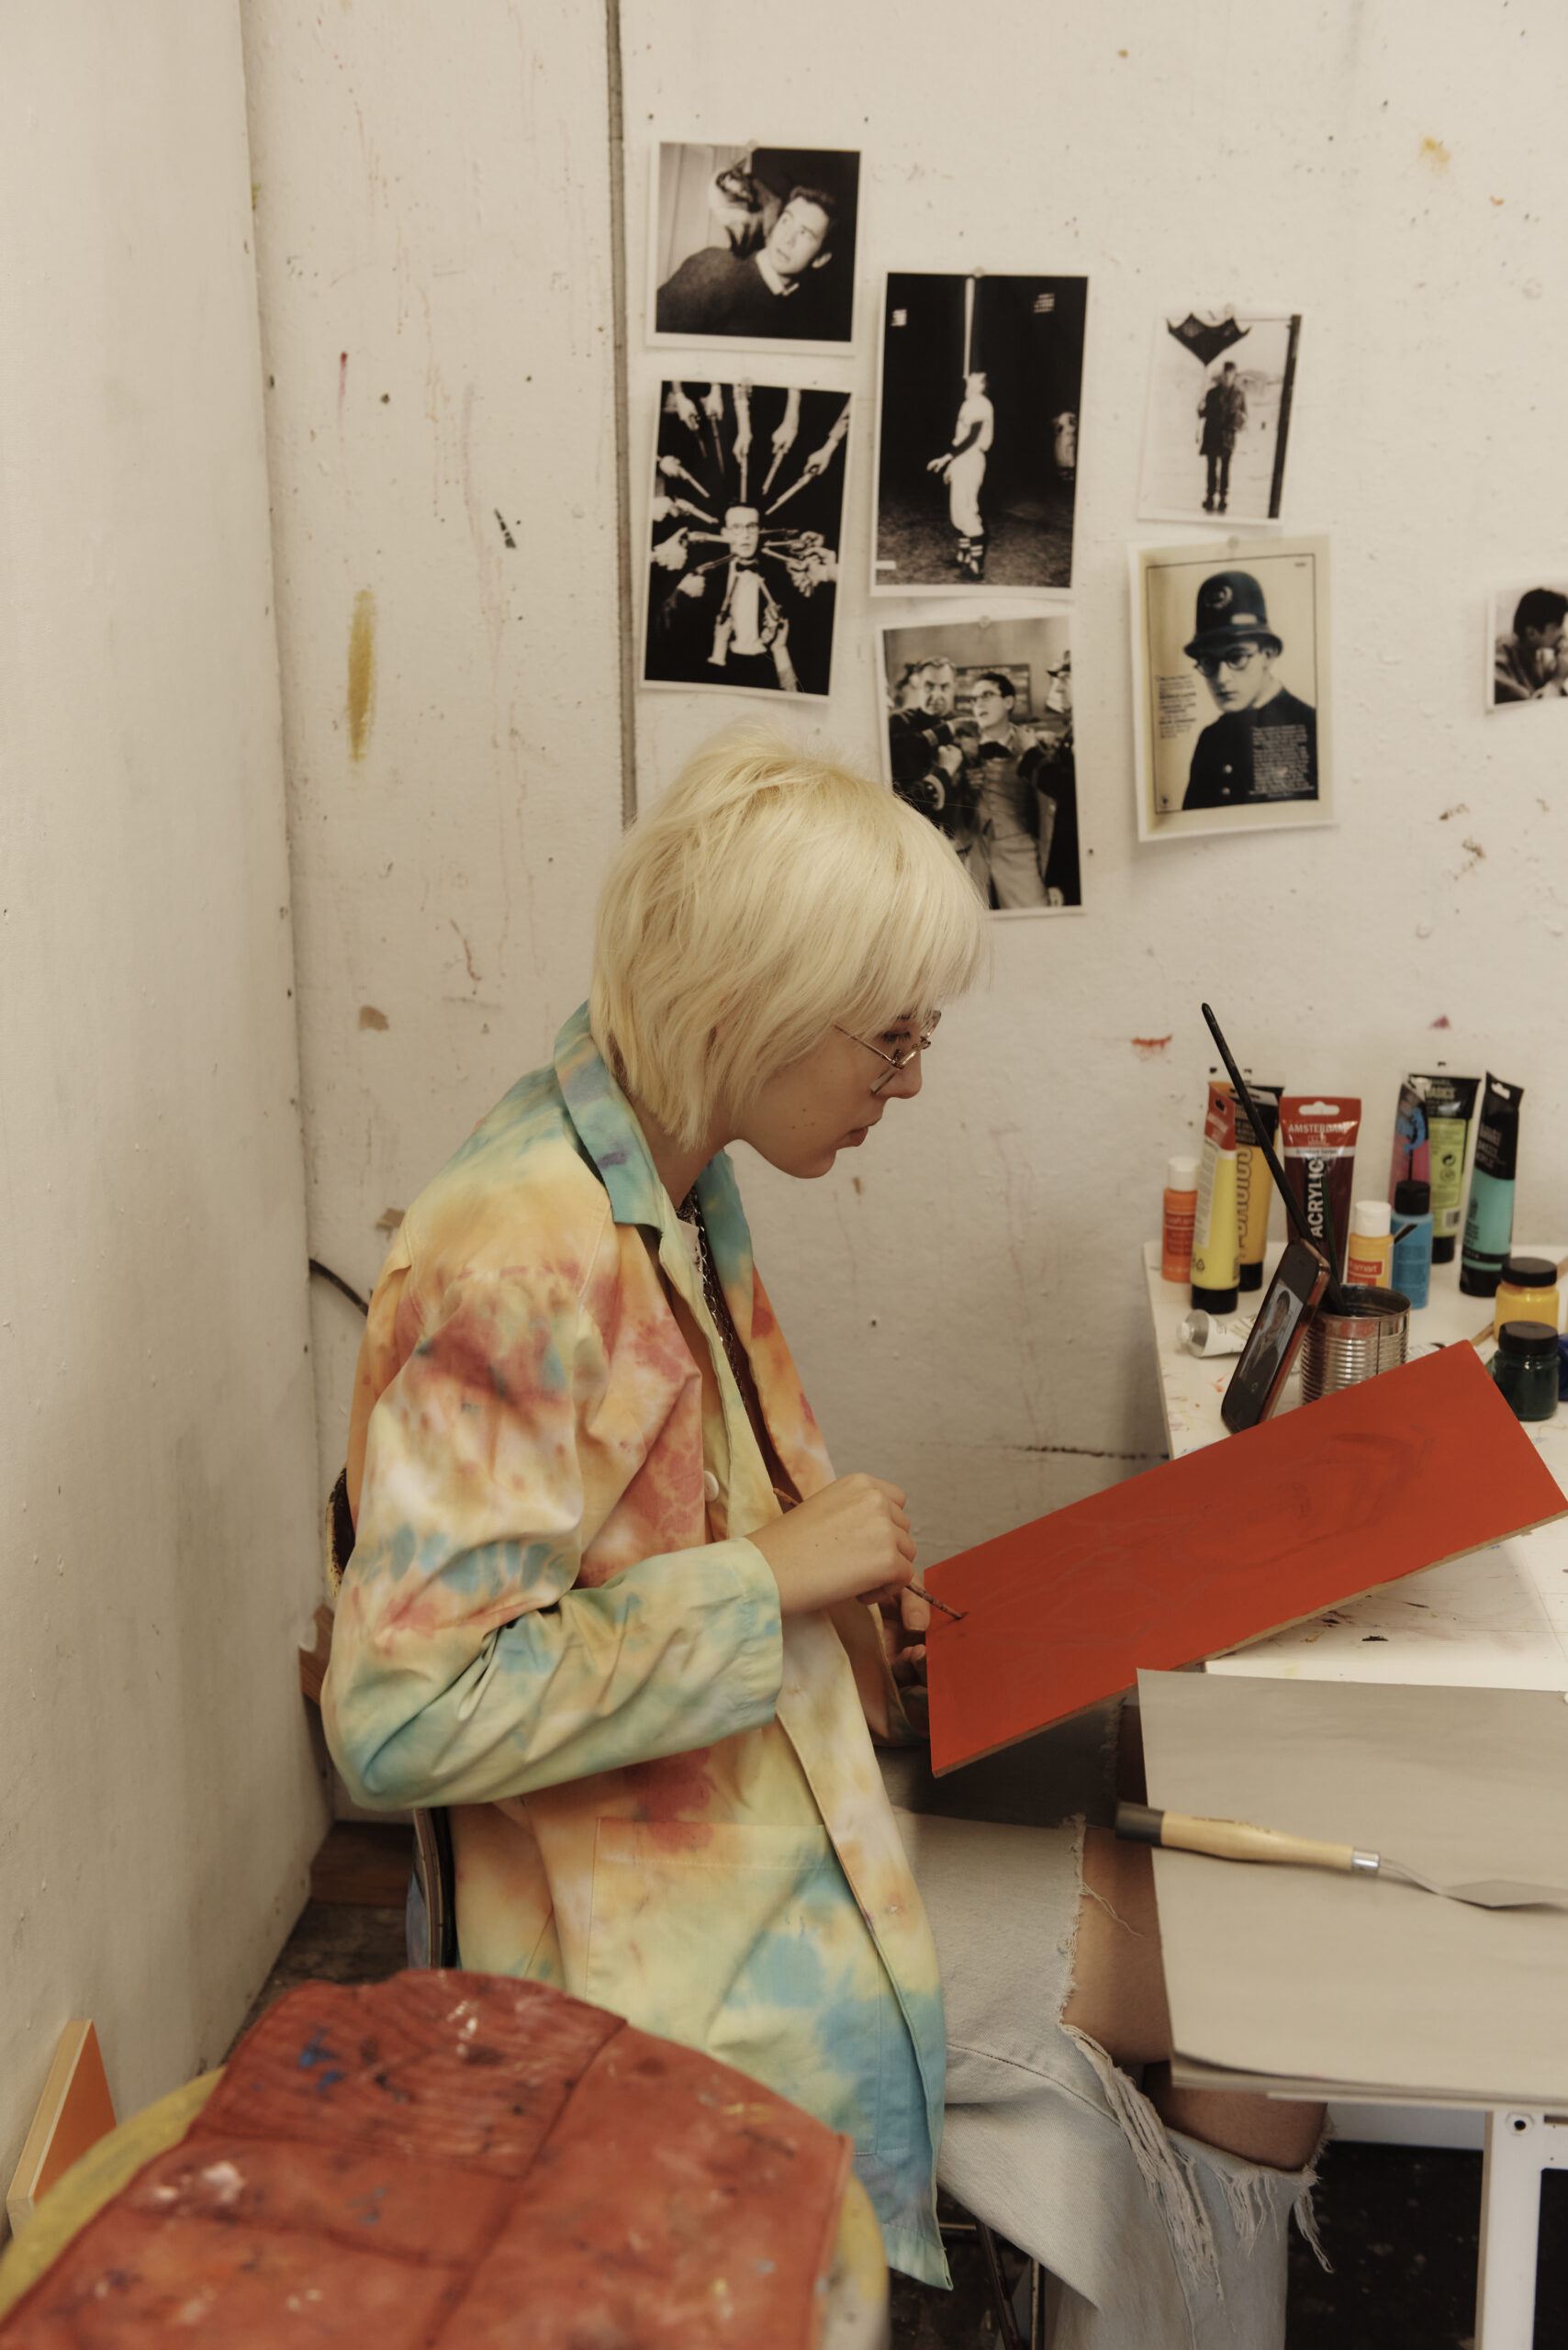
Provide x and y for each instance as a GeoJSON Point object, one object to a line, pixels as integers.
{"type": "Point", "coordinates": [1221, 387]}
{"type": "Point", "coordinates": [980, 741]}
{"type": "Point", "coordinates": [977, 452]}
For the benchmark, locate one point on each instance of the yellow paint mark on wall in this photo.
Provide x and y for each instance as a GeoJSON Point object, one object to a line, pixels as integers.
{"type": "Point", "coordinates": [1433, 151]}
{"type": "Point", "coordinates": [362, 673]}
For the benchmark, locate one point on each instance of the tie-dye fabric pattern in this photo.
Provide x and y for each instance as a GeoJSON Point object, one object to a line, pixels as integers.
{"type": "Point", "coordinates": [664, 1798]}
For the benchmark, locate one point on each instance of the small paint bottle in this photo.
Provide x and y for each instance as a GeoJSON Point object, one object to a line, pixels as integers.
{"type": "Point", "coordinates": [1526, 1292]}
{"type": "Point", "coordinates": [1412, 1274]}
{"type": "Point", "coordinates": [1367, 1259]}
{"type": "Point", "coordinates": [1176, 1227]}
{"type": "Point", "coordinates": [1525, 1368]}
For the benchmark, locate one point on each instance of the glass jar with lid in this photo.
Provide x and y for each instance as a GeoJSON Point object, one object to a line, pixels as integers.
{"type": "Point", "coordinates": [1525, 1368]}
{"type": "Point", "coordinates": [1527, 1291]}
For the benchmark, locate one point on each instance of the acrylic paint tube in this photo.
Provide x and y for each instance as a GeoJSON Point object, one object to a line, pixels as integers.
{"type": "Point", "coordinates": [1216, 1253]}
{"type": "Point", "coordinates": [1318, 1144]}
{"type": "Point", "coordinates": [1254, 1185]}
{"type": "Point", "coordinates": [1369, 1256]}
{"type": "Point", "coordinates": [1215, 1333]}
{"type": "Point", "coordinates": [1180, 1208]}
{"type": "Point", "coordinates": [1489, 1218]}
{"type": "Point", "coordinates": [1411, 1149]}
{"type": "Point", "coordinates": [1450, 1106]}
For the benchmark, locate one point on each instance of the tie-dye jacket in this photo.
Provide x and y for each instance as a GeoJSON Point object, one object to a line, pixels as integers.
{"type": "Point", "coordinates": [666, 1798]}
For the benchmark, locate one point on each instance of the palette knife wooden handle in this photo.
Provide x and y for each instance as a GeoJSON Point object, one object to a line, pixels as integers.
{"type": "Point", "coordinates": [1235, 1840]}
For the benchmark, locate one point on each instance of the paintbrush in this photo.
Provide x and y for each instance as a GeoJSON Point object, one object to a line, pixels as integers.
{"type": "Point", "coordinates": [957, 1614]}
{"type": "Point", "coordinates": [1297, 1216]}
{"type": "Point", "coordinates": [1237, 1839]}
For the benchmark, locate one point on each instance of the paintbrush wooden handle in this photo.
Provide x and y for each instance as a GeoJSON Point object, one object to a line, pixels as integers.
{"type": "Point", "coordinates": [1228, 1840]}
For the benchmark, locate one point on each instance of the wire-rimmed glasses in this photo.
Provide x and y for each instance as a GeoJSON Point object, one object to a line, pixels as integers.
{"type": "Point", "coordinates": [895, 1061]}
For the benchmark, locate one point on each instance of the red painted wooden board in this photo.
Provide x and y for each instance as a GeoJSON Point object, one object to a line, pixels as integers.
{"type": "Point", "coordinates": [1237, 1541]}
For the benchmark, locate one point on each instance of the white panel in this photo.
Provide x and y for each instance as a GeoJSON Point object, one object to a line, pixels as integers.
{"type": "Point", "coordinates": [433, 210]}
{"type": "Point", "coordinates": [160, 1559]}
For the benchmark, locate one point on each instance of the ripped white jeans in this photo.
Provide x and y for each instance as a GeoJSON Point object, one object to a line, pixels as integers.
{"type": "Point", "coordinates": [1157, 2242]}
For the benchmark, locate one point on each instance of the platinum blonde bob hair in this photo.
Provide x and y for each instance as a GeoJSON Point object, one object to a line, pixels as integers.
{"type": "Point", "coordinates": [768, 895]}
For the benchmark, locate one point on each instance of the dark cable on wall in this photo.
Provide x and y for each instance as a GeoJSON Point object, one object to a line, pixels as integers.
{"type": "Point", "coordinates": [338, 1282]}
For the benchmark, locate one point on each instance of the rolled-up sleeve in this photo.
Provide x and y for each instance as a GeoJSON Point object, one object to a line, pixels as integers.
{"type": "Point", "coordinates": [468, 1663]}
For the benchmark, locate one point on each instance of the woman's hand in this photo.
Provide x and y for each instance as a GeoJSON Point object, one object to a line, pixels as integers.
{"type": "Point", "coordinates": [904, 1623]}
{"type": "Point", "coordinates": [850, 1541]}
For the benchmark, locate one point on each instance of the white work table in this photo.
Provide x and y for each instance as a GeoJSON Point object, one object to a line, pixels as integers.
{"type": "Point", "coordinates": [1496, 1619]}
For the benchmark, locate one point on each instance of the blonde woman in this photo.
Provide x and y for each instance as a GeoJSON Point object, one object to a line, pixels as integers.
{"type": "Point", "coordinates": [609, 1602]}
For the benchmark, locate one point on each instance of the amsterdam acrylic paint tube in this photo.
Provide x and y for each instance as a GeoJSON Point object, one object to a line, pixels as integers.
{"type": "Point", "coordinates": [1489, 1217]}
{"type": "Point", "coordinates": [1217, 1250]}
{"type": "Point", "coordinates": [1318, 1144]}
{"type": "Point", "coordinates": [1180, 1207]}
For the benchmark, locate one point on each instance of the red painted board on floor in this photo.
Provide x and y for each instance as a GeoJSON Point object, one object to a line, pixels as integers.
{"type": "Point", "coordinates": [1235, 1541]}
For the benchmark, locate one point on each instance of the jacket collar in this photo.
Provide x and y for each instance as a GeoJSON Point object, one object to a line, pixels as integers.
{"type": "Point", "coordinates": [610, 1134]}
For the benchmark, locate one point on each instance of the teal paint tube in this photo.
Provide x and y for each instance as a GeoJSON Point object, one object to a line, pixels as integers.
{"type": "Point", "coordinates": [1489, 1218]}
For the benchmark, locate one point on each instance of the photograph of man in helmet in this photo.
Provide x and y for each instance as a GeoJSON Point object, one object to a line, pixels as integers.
{"type": "Point", "coordinates": [1263, 745]}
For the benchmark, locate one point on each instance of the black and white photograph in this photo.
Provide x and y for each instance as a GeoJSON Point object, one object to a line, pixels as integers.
{"type": "Point", "coordinates": [745, 521]}
{"type": "Point", "coordinates": [1221, 386]}
{"type": "Point", "coordinates": [753, 246]}
{"type": "Point", "coordinates": [977, 432]}
{"type": "Point", "coordinates": [1526, 641]}
{"type": "Point", "coordinates": [1230, 686]}
{"type": "Point", "coordinates": [978, 738]}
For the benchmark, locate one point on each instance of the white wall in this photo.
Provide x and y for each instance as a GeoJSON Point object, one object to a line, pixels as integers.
{"type": "Point", "coordinates": [159, 1558]}
{"type": "Point", "coordinates": [963, 1296]}
{"type": "Point", "coordinates": [432, 201]}
{"type": "Point", "coordinates": [963, 1293]}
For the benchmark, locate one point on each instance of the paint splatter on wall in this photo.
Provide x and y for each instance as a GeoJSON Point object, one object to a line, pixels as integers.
{"type": "Point", "coordinates": [362, 673]}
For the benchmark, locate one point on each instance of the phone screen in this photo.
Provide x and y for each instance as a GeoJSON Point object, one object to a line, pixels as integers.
{"type": "Point", "coordinates": [1259, 1376]}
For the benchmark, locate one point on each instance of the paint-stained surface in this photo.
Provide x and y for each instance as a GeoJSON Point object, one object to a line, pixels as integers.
{"type": "Point", "coordinates": [362, 673]}
{"type": "Point", "coordinates": [374, 2166]}
{"type": "Point", "coordinates": [666, 1798]}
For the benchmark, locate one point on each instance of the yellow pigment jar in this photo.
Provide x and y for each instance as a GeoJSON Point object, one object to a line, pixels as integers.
{"type": "Point", "coordinates": [1526, 1292]}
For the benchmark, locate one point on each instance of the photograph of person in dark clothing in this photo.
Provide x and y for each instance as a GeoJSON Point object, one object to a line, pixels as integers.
{"type": "Point", "coordinates": [753, 245]}
{"type": "Point", "coordinates": [1230, 686]}
{"type": "Point", "coordinates": [1530, 651]}
{"type": "Point", "coordinates": [745, 518]}
{"type": "Point", "coordinates": [1263, 745]}
{"type": "Point", "coordinates": [979, 740]}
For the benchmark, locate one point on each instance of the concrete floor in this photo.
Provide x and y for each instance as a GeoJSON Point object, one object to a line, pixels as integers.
{"type": "Point", "coordinates": [1399, 2223]}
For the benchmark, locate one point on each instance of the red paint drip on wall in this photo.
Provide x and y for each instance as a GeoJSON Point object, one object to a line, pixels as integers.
{"type": "Point", "coordinates": [1150, 1049]}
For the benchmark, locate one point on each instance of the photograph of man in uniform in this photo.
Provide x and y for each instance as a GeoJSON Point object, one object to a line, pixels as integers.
{"type": "Point", "coordinates": [962, 467]}
{"type": "Point", "coordinates": [1222, 412]}
{"type": "Point", "coordinates": [1531, 661]}
{"type": "Point", "coordinates": [1263, 745]}
{"type": "Point", "coordinates": [755, 245]}
{"type": "Point", "coordinates": [978, 431]}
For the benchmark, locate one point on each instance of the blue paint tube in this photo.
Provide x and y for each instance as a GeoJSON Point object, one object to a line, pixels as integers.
{"type": "Point", "coordinates": [1489, 1218]}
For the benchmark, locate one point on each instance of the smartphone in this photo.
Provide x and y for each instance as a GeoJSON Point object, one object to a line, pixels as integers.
{"type": "Point", "coordinates": [1258, 1378]}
